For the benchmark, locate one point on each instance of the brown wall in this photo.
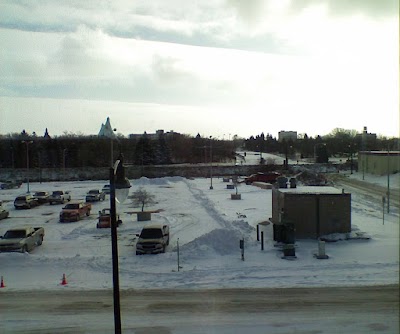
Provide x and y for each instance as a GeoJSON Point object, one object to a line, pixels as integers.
{"type": "Point", "coordinates": [313, 215]}
{"type": "Point", "coordinates": [132, 172]}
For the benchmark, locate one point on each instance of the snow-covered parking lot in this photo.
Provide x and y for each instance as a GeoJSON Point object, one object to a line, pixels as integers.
{"type": "Point", "coordinates": [208, 225]}
{"type": "Point", "coordinates": [214, 291]}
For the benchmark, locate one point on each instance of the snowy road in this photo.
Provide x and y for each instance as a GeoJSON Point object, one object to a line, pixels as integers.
{"type": "Point", "coordinates": [299, 310]}
{"type": "Point", "coordinates": [373, 191]}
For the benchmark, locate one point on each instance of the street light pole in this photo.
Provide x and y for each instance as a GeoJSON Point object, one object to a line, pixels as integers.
{"type": "Point", "coordinates": [112, 147]}
{"type": "Point", "coordinates": [12, 157]}
{"type": "Point", "coordinates": [388, 180]}
{"type": "Point", "coordinates": [64, 152]}
{"type": "Point", "coordinates": [114, 250]}
{"type": "Point", "coordinates": [211, 171]}
{"type": "Point", "coordinates": [27, 142]}
{"type": "Point", "coordinates": [118, 181]}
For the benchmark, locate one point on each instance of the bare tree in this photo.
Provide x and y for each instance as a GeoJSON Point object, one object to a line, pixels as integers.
{"type": "Point", "coordinates": [236, 183]}
{"type": "Point", "coordinates": [142, 198]}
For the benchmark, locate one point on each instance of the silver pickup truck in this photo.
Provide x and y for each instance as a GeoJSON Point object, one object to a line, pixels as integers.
{"type": "Point", "coordinates": [21, 239]}
{"type": "Point", "coordinates": [59, 197]}
{"type": "Point", "coordinates": [153, 239]}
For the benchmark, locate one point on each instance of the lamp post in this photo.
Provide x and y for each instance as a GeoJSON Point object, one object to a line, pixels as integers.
{"type": "Point", "coordinates": [12, 157]}
{"type": "Point", "coordinates": [388, 179]}
{"type": "Point", "coordinates": [211, 171]}
{"type": "Point", "coordinates": [119, 190]}
{"type": "Point", "coordinates": [112, 147]}
{"type": "Point", "coordinates": [64, 153]}
{"type": "Point", "coordinates": [27, 142]}
{"type": "Point", "coordinates": [351, 158]}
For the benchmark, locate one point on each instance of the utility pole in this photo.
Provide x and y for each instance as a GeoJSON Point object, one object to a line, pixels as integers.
{"type": "Point", "coordinates": [27, 142]}
{"type": "Point", "coordinates": [388, 179]}
{"type": "Point", "coordinates": [64, 152]}
{"type": "Point", "coordinates": [211, 171]}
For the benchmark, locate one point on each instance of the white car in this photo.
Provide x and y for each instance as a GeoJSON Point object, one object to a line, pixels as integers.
{"type": "Point", "coordinates": [106, 189]}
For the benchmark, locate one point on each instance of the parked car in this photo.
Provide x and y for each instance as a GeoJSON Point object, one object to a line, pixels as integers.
{"type": "Point", "coordinates": [3, 212]}
{"type": "Point", "coordinates": [25, 202]}
{"type": "Point", "coordinates": [269, 177]}
{"type": "Point", "coordinates": [95, 195]}
{"type": "Point", "coordinates": [21, 239]}
{"type": "Point", "coordinates": [59, 196]}
{"type": "Point", "coordinates": [153, 239]}
{"type": "Point", "coordinates": [41, 196]}
{"type": "Point", "coordinates": [105, 219]}
{"type": "Point", "coordinates": [75, 211]}
{"type": "Point", "coordinates": [11, 185]}
{"type": "Point", "coordinates": [106, 189]}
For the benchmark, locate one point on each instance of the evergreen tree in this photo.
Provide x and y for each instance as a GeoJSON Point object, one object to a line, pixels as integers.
{"type": "Point", "coordinates": [144, 152]}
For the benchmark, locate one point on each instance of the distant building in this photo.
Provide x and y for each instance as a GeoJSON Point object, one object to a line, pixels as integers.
{"type": "Point", "coordinates": [155, 135]}
{"type": "Point", "coordinates": [106, 130]}
{"type": "Point", "coordinates": [287, 135]}
{"type": "Point", "coordinates": [367, 139]}
{"type": "Point", "coordinates": [379, 162]}
{"type": "Point", "coordinates": [46, 135]}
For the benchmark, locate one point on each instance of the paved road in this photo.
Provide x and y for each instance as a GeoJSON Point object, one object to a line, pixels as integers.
{"type": "Point", "coordinates": [373, 190]}
{"type": "Point", "coordinates": [293, 310]}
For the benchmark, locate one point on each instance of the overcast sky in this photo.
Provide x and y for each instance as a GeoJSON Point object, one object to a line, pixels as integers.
{"type": "Point", "coordinates": [215, 67]}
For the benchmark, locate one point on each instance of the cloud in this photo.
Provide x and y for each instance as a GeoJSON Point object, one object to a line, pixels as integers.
{"type": "Point", "coordinates": [370, 8]}
{"type": "Point", "coordinates": [271, 56]}
{"type": "Point", "coordinates": [250, 11]}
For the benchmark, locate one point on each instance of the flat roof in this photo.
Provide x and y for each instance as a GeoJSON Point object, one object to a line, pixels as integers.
{"type": "Point", "coordinates": [311, 190]}
{"type": "Point", "coordinates": [380, 152]}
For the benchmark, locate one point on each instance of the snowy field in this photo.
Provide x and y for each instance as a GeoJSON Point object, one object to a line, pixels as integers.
{"type": "Point", "coordinates": [208, 225]}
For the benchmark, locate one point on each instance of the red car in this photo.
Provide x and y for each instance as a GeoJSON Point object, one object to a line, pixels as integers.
{"type": "Point", "coordinates": [269, 177]}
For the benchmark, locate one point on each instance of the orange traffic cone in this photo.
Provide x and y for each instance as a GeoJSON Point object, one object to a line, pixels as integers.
{"type": "Point", "coordinates": [2, 285]}
{"type": "Point", "coordinates": [64, 280]}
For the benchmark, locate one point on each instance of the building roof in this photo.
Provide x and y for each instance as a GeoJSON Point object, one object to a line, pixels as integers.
{"type": "Point", "coordinates": [380, 153]}
{"type": "Point", "coordinates": [106, 130]}
{"type": "Point", "coordinates": [315, 190]}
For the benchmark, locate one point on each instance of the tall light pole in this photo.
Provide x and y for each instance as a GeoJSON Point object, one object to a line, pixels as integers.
{"type": "Point", "coordinates": [211, 171]}
{"type": "Point", "coordinates": [119, 190]}
{"type": "Point", "coordinates": [27, 142]}
{"type": "Point", "coordinates": [351, 158]}
{"type": "Point", "coordinates": [388, 179]}
{"type": "Point", "coordinates": [64, 153]}
{"type": "Point", "coordinates": [12, 156]}
{"type": "Point", "coordinates": [112, 147]}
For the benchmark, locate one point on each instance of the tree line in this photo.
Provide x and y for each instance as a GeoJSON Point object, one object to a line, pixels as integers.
{"type": "Point", "coordinates": [340, 142]}
{"type": "Point", "coordinates": [71, 150]}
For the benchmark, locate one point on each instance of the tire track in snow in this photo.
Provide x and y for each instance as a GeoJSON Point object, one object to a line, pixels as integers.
{"type": "Point", "coordinates": [224, 238]}
{"type": "Point", "coordinates": [208, 205]}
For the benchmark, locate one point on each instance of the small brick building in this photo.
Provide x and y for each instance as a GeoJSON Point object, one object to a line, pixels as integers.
{"type": "Point", "coordinates": [310, 212]}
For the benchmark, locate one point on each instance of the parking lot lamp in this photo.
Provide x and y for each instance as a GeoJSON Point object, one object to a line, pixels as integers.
{"type": "Point", "coordinates": [211, 163]}
{"type": "Point", "coordinates": [27, 142]}
{"type": "Point", "coordinates": [112, 137]}
{"type": "Point", "coordinates": [119, 190]}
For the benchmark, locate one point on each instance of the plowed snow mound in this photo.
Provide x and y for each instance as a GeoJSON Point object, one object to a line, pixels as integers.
{"type": "Point", "coordinates": [144, 181]}
{"type": "Point", "coordinates": [220, 241]}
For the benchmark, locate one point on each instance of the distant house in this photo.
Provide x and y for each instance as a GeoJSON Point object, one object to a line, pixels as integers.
{"type": "Point", "coordinates": [310, 212]}
{"type": "Point", "coordinates": [379, 162]}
